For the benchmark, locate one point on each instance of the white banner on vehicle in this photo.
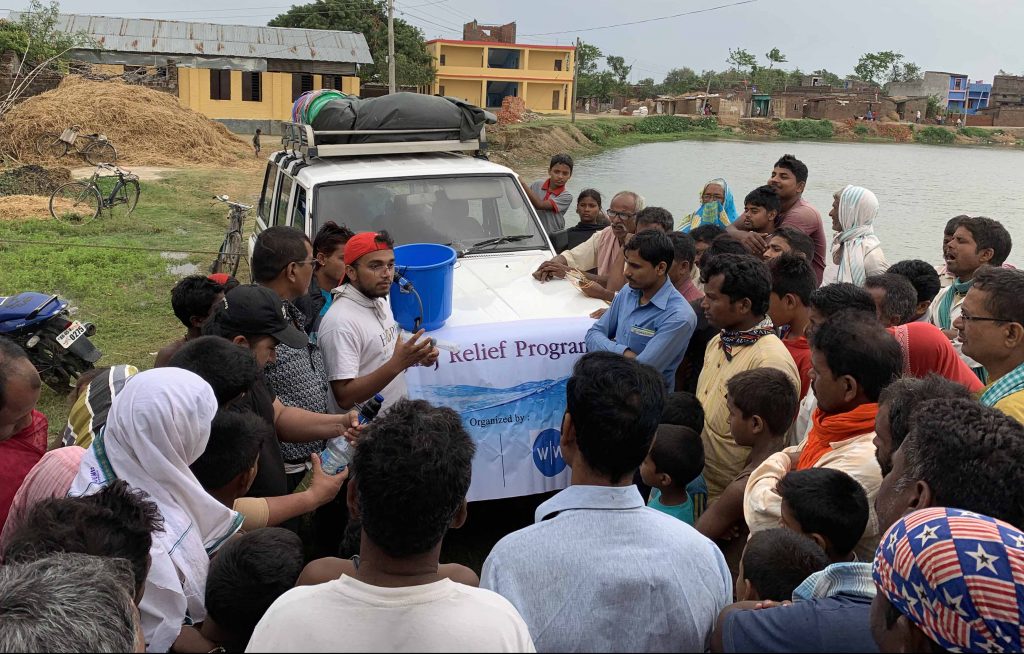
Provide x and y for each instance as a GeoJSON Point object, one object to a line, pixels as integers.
{"type": "Point", "coordinates": [507, 381]}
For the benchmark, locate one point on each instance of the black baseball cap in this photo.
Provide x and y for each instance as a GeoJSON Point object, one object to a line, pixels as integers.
{"type": "Point", "coordinates": [258, 311]}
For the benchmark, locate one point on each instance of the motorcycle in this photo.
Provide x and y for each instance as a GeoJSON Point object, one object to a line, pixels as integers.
{"type": "Point", "coordinates": [58, 346]}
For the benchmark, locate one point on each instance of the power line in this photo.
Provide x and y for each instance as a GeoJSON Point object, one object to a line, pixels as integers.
{"type": "Point", "coordinates": [646, 20]}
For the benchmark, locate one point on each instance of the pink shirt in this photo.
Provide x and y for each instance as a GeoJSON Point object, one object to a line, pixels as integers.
{"type": "Point", "coordinates": [689, 290]}
{"type": "Point", "coordinates": [807, 219]}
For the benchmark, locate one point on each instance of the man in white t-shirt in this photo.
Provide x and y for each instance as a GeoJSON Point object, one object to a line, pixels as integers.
{"type": "Point", "coordinates": [362, 345]}
{"type": "Point", "coordinates": [414, 467]}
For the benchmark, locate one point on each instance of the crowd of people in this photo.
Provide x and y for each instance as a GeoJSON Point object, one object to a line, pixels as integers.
{"type": "Point", "coordinates": [761, 460]}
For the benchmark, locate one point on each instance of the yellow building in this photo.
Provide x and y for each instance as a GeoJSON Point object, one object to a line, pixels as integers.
{"type": "Point", "coordinates": [244, 76]}
{"type": "Point", "coordinates": [485, 72]}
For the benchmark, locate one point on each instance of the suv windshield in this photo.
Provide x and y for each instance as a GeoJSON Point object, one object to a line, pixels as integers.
{"type": "Point", "coordinates": [461, 211]}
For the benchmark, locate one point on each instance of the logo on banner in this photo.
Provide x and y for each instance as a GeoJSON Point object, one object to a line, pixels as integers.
{"type": "Point", "coordinates": [547, 453]}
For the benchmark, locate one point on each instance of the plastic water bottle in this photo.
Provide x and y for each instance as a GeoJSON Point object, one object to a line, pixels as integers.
{"type": "Point", "coordinates": [338, 453]}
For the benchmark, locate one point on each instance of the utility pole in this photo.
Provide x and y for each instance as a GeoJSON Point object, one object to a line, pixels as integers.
{"type": "Point", "coordinates": [575, 77]}
{"type": "Point", "coordinates": [392, 83]}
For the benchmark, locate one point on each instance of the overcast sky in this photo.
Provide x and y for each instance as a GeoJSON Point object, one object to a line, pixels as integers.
{"type": "Point", "coordinates": [976, 37]}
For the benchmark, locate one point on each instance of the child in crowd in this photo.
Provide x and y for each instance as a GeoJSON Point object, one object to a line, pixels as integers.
{"type": "Point", "coordinates": [227, 469]}
{"type": "Point", "coordinates": [760, 208]}
{"type": "Point", "coordinates": [924, 279]}
{"type": "Point", "coordinates": [550, 197]}
{"type": "Point", "coordinates": [592, 218]}
{"type": "Point", "coordinates": [328, 272]}
{"type": "Point", "coordinates": [828, 506]}
{"type": "Point", "coordinates": [702, 238]}
{"type": "Point", "coordinates": [193, 300]}
{"type": "Point", "coordinates": [762, 405]}
{"type": "Point", "coordinates": [675, 458]}
{"type": "Point", "coordinates": [684, 409]}
{"type": "Point", "coordinates": [789, 240]}
{"type": "Point", "coordinates": [793, 281]}
{"type": "Point", "coordinates": [774, 563]}
{"type": "Point", "coordinates": [246, 577]}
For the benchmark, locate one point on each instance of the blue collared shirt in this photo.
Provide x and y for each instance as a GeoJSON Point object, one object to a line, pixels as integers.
{"type": "Point", "coordinates": [601, 572]}
{"type": "Point", "coordinates": [658, 332]}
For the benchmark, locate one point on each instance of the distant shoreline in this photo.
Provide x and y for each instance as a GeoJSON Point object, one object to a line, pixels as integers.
{"type": "Point", "coordinates": [526, 146]}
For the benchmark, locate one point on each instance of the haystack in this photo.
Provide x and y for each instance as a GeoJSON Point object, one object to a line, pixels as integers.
{"type": "Point", "coordinates": [147, 127]}
{"type": "Point", "coordinates": [24, 207]}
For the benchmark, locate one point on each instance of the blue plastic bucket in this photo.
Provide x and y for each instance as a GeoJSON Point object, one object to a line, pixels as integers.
{"type": "Point", "coordinates": [431, 269]}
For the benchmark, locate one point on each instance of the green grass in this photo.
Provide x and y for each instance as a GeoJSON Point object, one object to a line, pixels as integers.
{"type": "Point", "coordinates": [806, 129]}
{"type": "Point", "coordinates": [934, 136]}
{"type": "Point", "coordinates": [125, 293]}
{"type": "Point", "coordinates": [976, 132]}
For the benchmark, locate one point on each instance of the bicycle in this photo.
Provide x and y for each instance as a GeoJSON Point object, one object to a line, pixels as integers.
{"type": "Point", "coordinates": [230, 253]}
{"type": "Point", "coordinates": [79, 202]}
{"type": "Point", "coordinates": [98, 150]}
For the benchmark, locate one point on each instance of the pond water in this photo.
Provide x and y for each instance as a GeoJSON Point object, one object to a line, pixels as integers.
{"type": "Point", "coordinates": [919, 187]}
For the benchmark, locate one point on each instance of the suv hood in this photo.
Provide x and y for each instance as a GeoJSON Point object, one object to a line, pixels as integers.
{"type": "Point", "coordinates": [501, 288]}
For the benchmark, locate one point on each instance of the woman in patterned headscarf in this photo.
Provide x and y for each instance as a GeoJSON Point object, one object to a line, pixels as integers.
{"type": "Point", "coordinates": [717, 207]}
{"type": "Point", "coordinates": [949, 580]}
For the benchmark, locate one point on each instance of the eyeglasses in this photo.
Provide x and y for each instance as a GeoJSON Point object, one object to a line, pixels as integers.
{"type": "Point", "coordinates": [712, 198]}
{"type": "Point", "coordinates": [620, 214]}
{"type": "Point", "coordinates": [968, 318]}
{"type": "Point", "coordinates": [305, 262]}
{"type": "Point", "coordinates": [377, 266]}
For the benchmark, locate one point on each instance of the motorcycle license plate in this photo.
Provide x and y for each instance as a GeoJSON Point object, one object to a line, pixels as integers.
{"type": "Point", "coordinates": [75, 331]}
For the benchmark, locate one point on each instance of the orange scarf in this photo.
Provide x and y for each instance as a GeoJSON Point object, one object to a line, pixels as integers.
{"type": "Point", "coordinates": [827, 429]}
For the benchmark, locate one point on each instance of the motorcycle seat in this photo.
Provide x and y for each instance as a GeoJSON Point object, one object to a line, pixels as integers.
{"type": "Point", "coordinates": [18, 306]}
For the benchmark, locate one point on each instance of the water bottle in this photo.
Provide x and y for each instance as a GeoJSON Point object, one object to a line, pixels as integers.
{"type": "Point", "coordinates": [369, 409]}
{"type": "Point", "coordinates": [338, 453]}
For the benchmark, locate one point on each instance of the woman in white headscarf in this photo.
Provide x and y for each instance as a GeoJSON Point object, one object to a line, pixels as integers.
{"type": "Point", "coordinates": [855, 248]}
{"type": "Point", "coordinates": [157, 426]}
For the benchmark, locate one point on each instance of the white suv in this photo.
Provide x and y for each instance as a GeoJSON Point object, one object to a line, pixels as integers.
{"type": "Point", "coordinates": [511, 341]}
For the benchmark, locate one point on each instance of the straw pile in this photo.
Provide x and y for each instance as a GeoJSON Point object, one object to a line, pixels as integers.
{"type": "Point", "coordinates": [147, 127]}
{"type": "Point", "coordinates": [24, 207]}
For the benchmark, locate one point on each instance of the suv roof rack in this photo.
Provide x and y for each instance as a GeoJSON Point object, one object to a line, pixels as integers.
{"type": "Point", "coordinates": [303, 141]}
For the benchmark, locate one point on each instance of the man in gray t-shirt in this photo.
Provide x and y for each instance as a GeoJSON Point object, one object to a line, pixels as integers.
{"type": "Point", "coordinates": [549, 196]}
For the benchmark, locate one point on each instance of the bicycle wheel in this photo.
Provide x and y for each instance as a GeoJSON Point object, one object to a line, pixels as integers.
{"type": "Point", "coordinates": [125, 198]}
{"type": "Point", "coordinates": [99, 152]}
{"type": "Point", "coordinates": [49, 145]}
{"type": "Point", "coordinates": [230, 254]}
{"type": "Point", "coordinates": [75, 203]}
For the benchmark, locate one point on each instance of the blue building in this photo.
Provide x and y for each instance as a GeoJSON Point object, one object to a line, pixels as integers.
{"type": "Point", "coordinates": [978, 95]}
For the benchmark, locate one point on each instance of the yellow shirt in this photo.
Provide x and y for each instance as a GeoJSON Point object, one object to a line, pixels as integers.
{"type": "Point", "coordinates": [723, 458]}
{"type": "Point", "coordinates": [1012, 405]}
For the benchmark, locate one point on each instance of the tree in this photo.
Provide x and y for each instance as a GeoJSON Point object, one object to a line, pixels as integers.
{"type": "Point", "coordinates": [647, 88]}
{"type": "Point", "coordinates": [619, 68]}
{"type": "Point", "coordinates": [601, 85]}
{"type": "Point", "coordinates": [775, 56]}
{"type": "Point", "coordinates": [40, 46]}
{"type": "Point", "coordinates": [680, 80]}
{"type": "Point", "coordinates": [741, 60]}
{"type": "Point", "coordinates": [414, 66]}
{"type": "Point", "coordinates": [887, 66]}
{"type": "Point", "coordinates": [587, 56]}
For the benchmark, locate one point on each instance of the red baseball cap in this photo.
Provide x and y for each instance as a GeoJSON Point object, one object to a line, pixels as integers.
{"type": "Point", "coordinates": [362, 244]}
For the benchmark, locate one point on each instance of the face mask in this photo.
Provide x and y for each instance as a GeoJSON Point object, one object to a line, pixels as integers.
{"type": "Point", "coordinates": [710, 212]}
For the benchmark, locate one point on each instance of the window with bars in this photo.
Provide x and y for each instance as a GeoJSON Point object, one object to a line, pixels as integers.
{"type": "Point", "coordinates": [252, 87]}
{"type": "Point", "coordinates": [220, 84]}
{"type": "Point", "coordinates": [332, 82]}
{"type": "Point", "coordinates": [301, 82]}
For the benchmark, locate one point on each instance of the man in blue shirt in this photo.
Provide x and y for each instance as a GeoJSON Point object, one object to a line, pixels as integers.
{"type": "Point", "coordinates": [599, 571]}
{"type": "Point", "coordinates": [650, 321]}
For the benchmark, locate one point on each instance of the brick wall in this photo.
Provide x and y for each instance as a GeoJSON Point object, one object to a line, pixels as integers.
{"type": "Point", "coordinates": [9, 79]}
{"type": "Point", "coordinates": [496, 33]}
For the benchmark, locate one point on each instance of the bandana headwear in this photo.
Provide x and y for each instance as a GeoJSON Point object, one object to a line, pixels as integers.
{"type": "Point", "coordinates": [957, 576]}
{"type": "Point", "coordinates": [362, 244]}
{"type": "Point", "coordinates": [731, 339]}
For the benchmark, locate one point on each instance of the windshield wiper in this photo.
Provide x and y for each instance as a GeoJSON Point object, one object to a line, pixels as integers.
{"type": "Point", "coordinates": [495, 241]}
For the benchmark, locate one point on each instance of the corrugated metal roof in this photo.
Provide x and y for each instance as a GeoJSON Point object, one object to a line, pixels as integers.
{"type": "Point", "coordinates": [148, 36]}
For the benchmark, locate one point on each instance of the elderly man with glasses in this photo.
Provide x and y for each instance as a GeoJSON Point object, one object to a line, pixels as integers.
{"type": "Point", "coordinates": [991, 328]}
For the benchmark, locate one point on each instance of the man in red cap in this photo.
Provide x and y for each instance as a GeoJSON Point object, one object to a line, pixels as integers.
{"type": "Point", "coordinates": [360, 340]}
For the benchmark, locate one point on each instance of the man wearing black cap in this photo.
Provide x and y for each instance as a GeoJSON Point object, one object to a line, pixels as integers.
{"type": "Point", "coordinates": [254, 317]}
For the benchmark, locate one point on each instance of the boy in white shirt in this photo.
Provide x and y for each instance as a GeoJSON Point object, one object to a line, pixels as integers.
{"type": "Point", "coordinates": [413, 465]}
